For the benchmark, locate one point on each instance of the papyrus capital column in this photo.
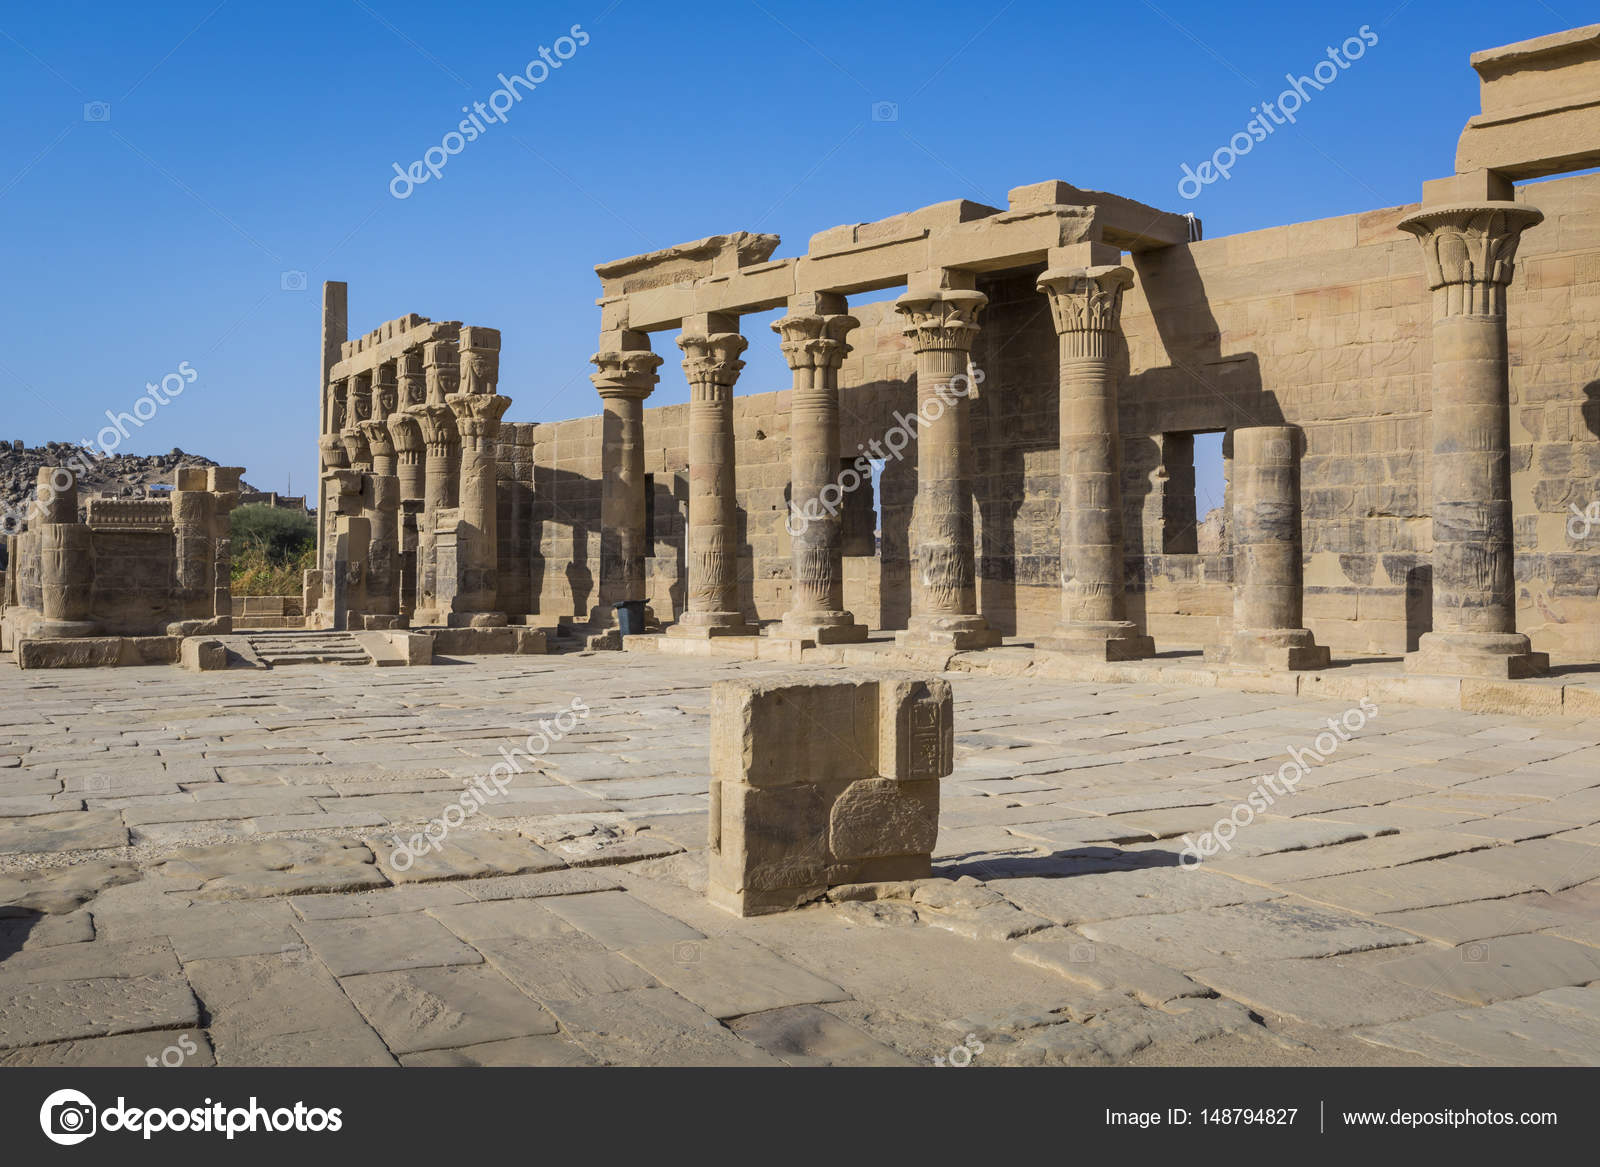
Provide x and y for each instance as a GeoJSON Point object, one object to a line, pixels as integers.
{"type": "Point", "coordinates": [813, 343]}
{"type": "Point", "coordinates": [942, 324]}
{"type": "Point", "coordinates": [1086, 306]}
{"type": "Point", "coordinates": [625, 375]}
{"type": "Point", "coordinates": [711, 349]}
{"type": "Point", "coordinates": [477, 417]}
{"type": "Point", "coordinates": [442, 463]}
{"type": "Point", "coordinates": [1467, 254]}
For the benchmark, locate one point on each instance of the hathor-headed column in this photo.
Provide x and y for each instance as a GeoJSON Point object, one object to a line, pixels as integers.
{"type": "Point", "coordinates": [813, 333]}
{"type": "Point", "coordinates": [1467, 251]}
{"type": "Point", "coordinates": [442, 369]}
{"type": "Point", "coordinates": [942, 323]}
{"type": "Point", "coordinates": [626, 375]}
{"type": "Point", "coordinates": [1087, 305]}
{"type": "Point", "coordinates": [1268, 598]}
{"type": "Point", "coordinates": [478, 410]}
{"type": "Point", "coordinates": [711, 346]}
{"type": "Point", "coordinates": [404, 432]}
{"type": "Point", "coordinates": [66, 558]}
{"type": "Point", "coordinates": [358, 410]}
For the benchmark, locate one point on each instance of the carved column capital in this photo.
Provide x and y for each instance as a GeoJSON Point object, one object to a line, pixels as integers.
{"type": "Point", "coordinates": [378, 441]}
{"type": "Point", "coordinates": [814, 341]}
{"type": "Point", "coordinates": [334, 455]}
{"type": "Point", "coordinates": [625, 373]}
{"type": "Point", "coordinates": [385, 391]}
{"type": "Point", "coordinates": [405, 432]}
{"type": "Point", "coordinates": [337, 391]}
{"type": "Point", "coordinates": [355, 446]}
{"type": "Point", "coordinates": [478, 414]}
{"type": "Point", "coordinates": [1086, 305]}
{"type": "Point", "coordinates": [480, 359]}
{"type": "Point", "coordinates": [360, 399]}
{"type": "Point", "coordinates": [943, 319]}
{"type": "Point", "coordinates": [1467, 253]}
{"type": "Point", "coordinates": [711, 362]}
{"type": "Point", "coordinates": [438, 424]}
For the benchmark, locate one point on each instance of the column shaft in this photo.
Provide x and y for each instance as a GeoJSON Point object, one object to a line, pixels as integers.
{"type": "Point", "coordinates": [625, 378]}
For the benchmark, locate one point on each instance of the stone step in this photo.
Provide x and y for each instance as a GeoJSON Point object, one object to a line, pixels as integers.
{"type": "Point", "coordinates": [309, 648]}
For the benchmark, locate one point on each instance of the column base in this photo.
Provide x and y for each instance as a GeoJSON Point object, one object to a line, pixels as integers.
{"type": "Point", "coordinates": [1503, 656]}
{"type": "Point", "coordinates": [1109, 640]}
{"type": "Point", "coordinates": [477, 620]}
{"type": "Point", "coordinates": [63, 629]}
{"type": "Point", "coordinates": [819, 628]}
{"type": "Point", "coordinates": [374, 622]}
{"type": "Point", "coordinates": [959, 633]}
{"type": "Point", "coordinates": [1280, 649]}
{"type": "Point", "coordinates": [700, 625]}
{"type": "Point", "coordinates": [201, 626]}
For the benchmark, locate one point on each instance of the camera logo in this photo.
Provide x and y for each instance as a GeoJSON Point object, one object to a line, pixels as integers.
{"type": "Point", "coordinates": [97, 111]}
{"type": "Point", "coordinates": [292, 281]}
{"type": "Point", "coordinates": [67, 1117]}
{"type": "Point", "coordinates": [885, 111]}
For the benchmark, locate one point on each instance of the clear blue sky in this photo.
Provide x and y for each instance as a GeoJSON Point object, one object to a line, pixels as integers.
{"type": "Point", "coordinates": [246, 140]}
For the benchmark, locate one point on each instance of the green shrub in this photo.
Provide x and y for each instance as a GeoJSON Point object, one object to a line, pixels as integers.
{"type": "Point", "coordinates": [281, 536]}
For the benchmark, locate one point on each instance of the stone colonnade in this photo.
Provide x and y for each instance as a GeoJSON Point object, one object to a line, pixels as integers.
{"type": "Point", "coordinates": [410, 465]}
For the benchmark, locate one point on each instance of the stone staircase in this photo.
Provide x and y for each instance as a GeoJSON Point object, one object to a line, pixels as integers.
{"type": "Point", "coordinates": [308, 648]}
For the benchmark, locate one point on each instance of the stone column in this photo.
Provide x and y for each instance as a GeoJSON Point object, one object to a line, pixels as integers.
{"type": "Point", "coordinates": [382, 511]}
{"type": "Point", "coordinates": [66, 559]}
{"type": "Point", "coordinates": [1268, 597]}
{"type": "Point", "coordinates": [442, 444]}
{"type": "Point", "coordinates": [626, 376]}
{"type": "Point", "coordinates": [222, 482]}
{"type": "Point", "coordinates": [1086, 304]}
{"type": "Point", "coordinates": [193, 549]}
{"type": "Point", "coordinates": [1467, 251]}
{"type": "Point", "coordinates": [711, 347]}
{"type": "Point", "coordinates": [813, 343]}
{"type": "Point", "coordinates": [405, 435]}
{"type": "Point", "coordinates": [478, 410]}
{"type": "Point", "coordinates": [942, 323]}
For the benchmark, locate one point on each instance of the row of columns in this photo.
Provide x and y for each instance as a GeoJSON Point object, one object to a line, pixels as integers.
{"type": "Point", "coordinates": [1468, 250]}
{"type": "Point", "coordinates": [422, 430]}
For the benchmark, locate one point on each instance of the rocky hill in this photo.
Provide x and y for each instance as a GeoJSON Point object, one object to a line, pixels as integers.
{"type": "Point", "coordinates": [128, 475]}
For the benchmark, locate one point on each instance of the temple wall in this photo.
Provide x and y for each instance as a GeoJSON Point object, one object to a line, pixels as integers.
{"type": "Point", "coordinates": [1324, 325]}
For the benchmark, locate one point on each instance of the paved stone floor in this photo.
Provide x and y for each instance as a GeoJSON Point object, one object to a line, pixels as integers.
{"type": "Point", "coordinates": [201, 869]}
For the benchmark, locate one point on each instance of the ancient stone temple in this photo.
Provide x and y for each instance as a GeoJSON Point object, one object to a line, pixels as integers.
{"type": "Point", "coordinates": [422, 518]}
{"type": "Point", "coordinates": [123, 580]}
{"type": "Point", "coordinates": [994, 412]}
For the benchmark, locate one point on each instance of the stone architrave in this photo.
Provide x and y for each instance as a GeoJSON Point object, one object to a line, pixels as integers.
{"type": "Point", "coordinates": [1269, 598]}
{"type": "Point", "coordinates": [813, 333]}
{"type": "Point", "coordinates": [1086, 305]}
{"type": "Point", "coordinates": [625, 377]}
{"type": "Point", "coordinates": [1467, 250]}
{"type": "Point", "coordinates": [942, 323]}
{"type": "Point", "coordinates": [711, 349]}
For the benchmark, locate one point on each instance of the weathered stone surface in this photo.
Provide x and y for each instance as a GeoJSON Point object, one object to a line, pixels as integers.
{"type": "Point", "coordinates": [123, 1049]}
{"type": "Point", "coordinates": [62, 889]}
{"type": "Point", "coordinates": [541, 1050]}
{"type": "Point", "coordinates": [730, 976]}
{"type": "Point", "coordinates": [384, 944]}
{"type": "Point", "coordinates": [92, 990]}
{"type": "Point", "coordinates": [1106, 967]}
{"type": "Point", "coordinates": [618, 920]}
{"type": "Point", "coordinates": [501, 920]}
{"type": "Point", "coordinates": [1275, 929]}
{"type": "Point", "coordinates": [1485, 971]}
{"type": "Point", "coordinates": [463, 855]}
{"type": "Point", "coordinates": [283, 1010]}
{"type": "Point", "coordinates": [1558, 1027]}
{"type": "Point", "coordinates": [1328, 992]}
{"type": "Point", "coordinates": [445, 1008]}
{"type": "Point", "coordinates": [563, 968]}
{"type": "Point", "coordinates": [80, 831]}
{"type": "Point", "coordinates": [250, 870]}
{"type": "Point", "coordinates": [804, 1035]}
{"type": "Point", "coordinates": [1107, 895]}
{"type": "Point", "coordinates": [653, 1027]}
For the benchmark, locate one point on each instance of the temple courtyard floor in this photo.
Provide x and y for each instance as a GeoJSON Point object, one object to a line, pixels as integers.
{"type": "Point", "coordinates": [213, 869]}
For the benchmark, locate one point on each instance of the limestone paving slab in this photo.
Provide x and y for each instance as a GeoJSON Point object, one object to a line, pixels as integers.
{"type": "Point", "coordinates": [445, 1008]}
{"type": "Point", "coordinates": [729, 976]}
{"type": "Point", "coordinates": [384, 943]}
